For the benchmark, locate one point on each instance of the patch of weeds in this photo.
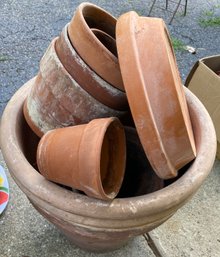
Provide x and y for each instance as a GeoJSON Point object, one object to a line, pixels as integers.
{"type": "Point", "coordinates": [3, 58]}
{"type": "Point", "coordinates": [208, 13]}
{"type": "Point", "coordinates": [217, 6]}
{"type": "Point", "coordinates": [178, 45]}
{"type": "Point", "coordinates": [210, 18]}
{"type": "Point", "coordinates": [212, 22]}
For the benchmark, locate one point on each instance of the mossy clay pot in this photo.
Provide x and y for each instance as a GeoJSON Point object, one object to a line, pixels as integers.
{"type": "Point", "coordinates": [57, 100]}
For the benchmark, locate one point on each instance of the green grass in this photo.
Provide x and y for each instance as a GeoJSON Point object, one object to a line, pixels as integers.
{"type": "Point", "coordinates": [178, 45]}
{"type": "Point", "coordinates": [209, 18]}
{"type": "Point", "coordinates": [208, 13]}
{"type": "Point", "coordinates": [211, 22]}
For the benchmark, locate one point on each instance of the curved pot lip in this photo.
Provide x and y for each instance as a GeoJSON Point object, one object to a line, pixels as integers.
{"type": "Point", "coordinates": [98, 31]}
{"type": "Point", "coordinates": [152, 117]}
{"type": "Point", "coordinates": [93, 43]}
{"type": "Point", "coordinates": [175, 194]}
{"type": "Point", "coordinates": [82, 5]}
{"type": "Point", "coordinates": [93, 136]}
{"type": "Point", "coordinates": [80, 12]}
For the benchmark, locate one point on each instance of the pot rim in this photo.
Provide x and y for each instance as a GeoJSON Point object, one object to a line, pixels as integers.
{"type": "Point", "coordinates": [83, 38]}
{"type": "Point", "coordinates": [135, 207]}
{"type": "Point", "coordinates": [80, 11]}
{"type": "Point", "coordinates": [93, 137]}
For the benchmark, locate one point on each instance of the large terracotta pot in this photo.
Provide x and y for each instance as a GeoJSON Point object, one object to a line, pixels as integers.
{"type": "Point", "coordinates": [99, 58]}
{"type": "Point", "coordinates": [95, 224]}
{"type": "Point", "coordinates": [57, 100]}
{"type": "Point", "coordinates": [89, 157]}
{"type": "Point", "coordinates": [155, 93]}
{"type": "Point", "coordinates": [85, 76]}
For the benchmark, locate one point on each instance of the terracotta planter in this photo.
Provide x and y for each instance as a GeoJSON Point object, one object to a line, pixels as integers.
{"type": "Point", "coordinates": [94, 163]}
{"type": "Point", "coordinates": [57, 100]}
{"type": "Point", "coordinates": [155, 93]}
{"type": "Point", "coordinates": [99, 58]}
{"type": "Point", "coordinates": [86, 77]}
{"type": "Point", "coordinates": [95, 224]}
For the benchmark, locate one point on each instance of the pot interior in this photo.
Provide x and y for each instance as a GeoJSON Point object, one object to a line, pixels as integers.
{"type": "Point", "coordinates": [139, 179]}
{"type": "Point", "coordinates": [107, 41]}
{"type": "Point", "coordinates": [112, 163]}
{"type": "Point", "coordinates": [99, 19]}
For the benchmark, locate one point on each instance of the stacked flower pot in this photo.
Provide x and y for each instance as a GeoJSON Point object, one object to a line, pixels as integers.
{"type": "Point", "coordinates": [110, 119]}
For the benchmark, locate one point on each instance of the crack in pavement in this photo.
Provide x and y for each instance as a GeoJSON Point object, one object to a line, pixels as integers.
{"type": "Point", "coordinates": [154, 245]}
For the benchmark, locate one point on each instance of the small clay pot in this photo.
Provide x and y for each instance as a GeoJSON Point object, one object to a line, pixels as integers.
{"type": "Point", "coordinates": [90, 157]}
{"type": "Point", "coordinates": [85, 76]}
{"type": "Point", "coordinates": [89, 47]}
{"type": "Point", "coordinates": [155, 93]}
{"type": "Point", "coordinates": [57, 100]}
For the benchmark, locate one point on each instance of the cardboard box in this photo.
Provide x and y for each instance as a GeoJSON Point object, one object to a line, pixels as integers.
{"type": "Point", "coordinates": [205, 84]}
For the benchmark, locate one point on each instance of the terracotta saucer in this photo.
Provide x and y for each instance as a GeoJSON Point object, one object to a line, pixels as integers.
{"type": "Point", "coordinates": [155, 93]}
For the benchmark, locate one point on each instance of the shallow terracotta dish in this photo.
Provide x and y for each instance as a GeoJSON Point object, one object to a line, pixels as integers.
{"type": "Point", "coordinates": [92, 158]}
{"type": "Point", "coordinates": [155, 93]}
{"type": "Point", "coordinates": [57, 100]}
{"type": "Point", "coordinates": [94, 224]}
{"type": "Point", "coordinates": [89, 47]}
{"type": "Point", "coordinates": [86, 77]}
